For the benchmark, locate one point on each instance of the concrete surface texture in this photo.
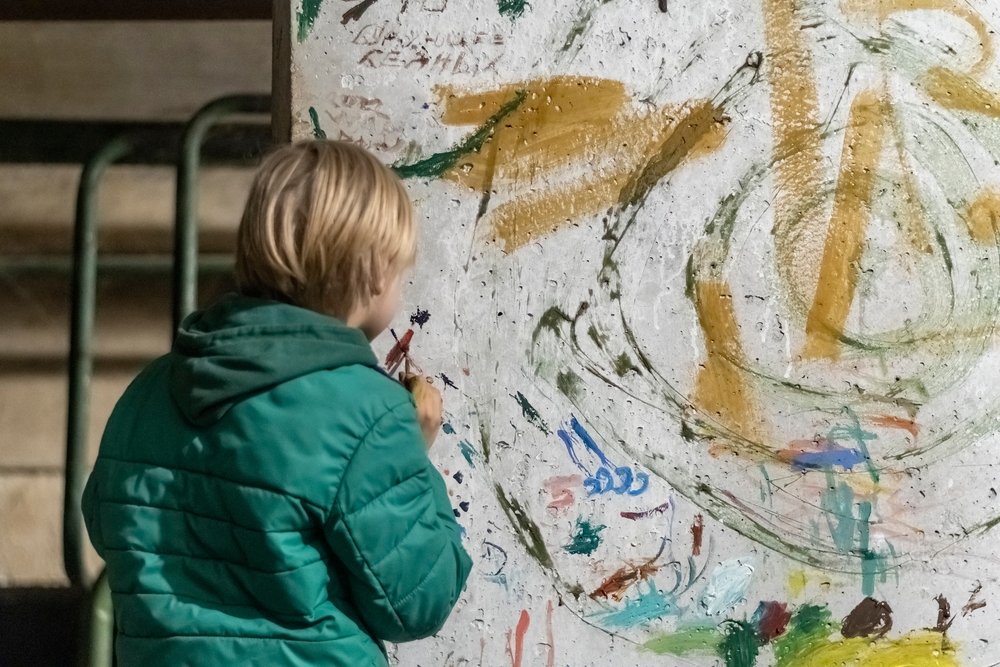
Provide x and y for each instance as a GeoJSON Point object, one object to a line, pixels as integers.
{"type": "Point", "coordinates": [711, 288]}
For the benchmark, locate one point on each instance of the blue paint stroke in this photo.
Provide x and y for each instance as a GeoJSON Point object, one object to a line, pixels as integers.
{"type": "Point", "coordinates": [649, 605]}
{"type": "Point", "coordinates": [859, 437]}
{"type": "Point", "coordinates": [468, 452]}
{"type": "Point", "coordinates": [607, 478]}
{"type": "Point", "coordinates": [727, 586]}
{"type": "Point", "coordinates": [836, 456]}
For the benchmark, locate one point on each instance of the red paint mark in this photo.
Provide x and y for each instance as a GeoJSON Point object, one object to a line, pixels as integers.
{"type": "Point", "coordinates": [696, 530]}
{"type": "Point", "coordinates": [518, 650]}
{"type": "Point", "coordinates": [398, 352]}
{"type": "Point", "coordinates": [482, 650]}
{"type": "Point", "coordinates": [888, 421]}
{"type": "Point", "coordinates": [551, 660]}
{"type": "Point", "coordinates": [659, 509]}
{"type": "Point", "coordinates": [774, 618]}
{"type": "Point", "coordinates": [561, 490]}
{"type": "Point", "coordinates": [466, 371]}
{"type": "Point", "coordinates": [796, 447]}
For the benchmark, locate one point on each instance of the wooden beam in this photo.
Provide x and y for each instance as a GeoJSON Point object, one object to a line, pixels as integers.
{"type": "Point", "coordinates": [135, 10]}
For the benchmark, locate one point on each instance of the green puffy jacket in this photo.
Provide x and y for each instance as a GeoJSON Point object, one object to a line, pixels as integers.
{"type": "Point", "coordinates": [263, 497]}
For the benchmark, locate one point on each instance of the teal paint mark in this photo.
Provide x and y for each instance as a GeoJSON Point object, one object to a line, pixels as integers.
{"type": "Point", "coordinates": [770, 494]}
{"type": "Point", "coordinates": [740, 644]}
{"type": "Point", "coordinates": [448, 428]}
{"type": "Point", "coordinates": [529, 412]}
{"type": "Point", "coordinates": [649, 605]}
{"type": "Point", "coordinates": [837, 502]}
{"type": "Point", "coordinates": [306, 17]}
{"type": "Point", "coordinates": [318, 132]}
{"type": "Point", "coordinates": [437, 164]}
{"type": "Point", "coordinates": [512, 9]}
{"type": "Point", "coordinates": [728, 586]}
{"type": "Point", "coordinates": [685, 642]}
{"type": "Point", "coordinates": [467, 451]}
{"type": "Point", "coordinates": [587, 538]}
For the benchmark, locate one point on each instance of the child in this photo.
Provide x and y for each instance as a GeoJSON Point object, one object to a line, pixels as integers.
{"type": "Point", "coordinates": [263, 494]}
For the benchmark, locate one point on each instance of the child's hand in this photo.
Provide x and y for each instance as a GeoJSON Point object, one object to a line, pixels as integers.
{"type": "Point", "coordinates": [430, 406]}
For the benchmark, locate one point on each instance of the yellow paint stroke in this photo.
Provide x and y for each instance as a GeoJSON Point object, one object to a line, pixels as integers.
{"type": "Point", "coordinates": [983, 217]}
{"type": "Point", "coordinates": [796, 144]}
{"type": "Point", "coordinates": [880, 10]}
{"type": "Point", "coordinates": [921, 648]}
{"type": "Point", "coordinates": [960, 92]}
{"type": "Point", "coordinates": [721, 388]}
{"type": "Point", "coordinates": [796, 583]}
{"type": "Point", "coordinates": [571, 122]}
{"type": "Point", "coordinates": [845, 237]}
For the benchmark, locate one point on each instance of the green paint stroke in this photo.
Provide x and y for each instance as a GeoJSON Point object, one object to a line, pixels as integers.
{"type": "Point", "coordinates": [484, 439]}
{"type": "Point", "coordinates": [623, 364]}
{"type": "Point", "coordinates": [307, 17]}
{"type": "Point", "coordinates": [568, 384]}
{"type": "Point", "coordinates": [436, 165]}
{"type": "Point", "coordinates": [512, 9]}
{"type": "Point", "coordinates": [467, 451]}
{"type": "Point", "coordinates": [587, 538]}
{"type": "Point", "coordinates": [808, 630]}
{"type": "Point", "coordinates": [318, 132]}
{"type": "Point", "coordinates": [527, 531]}
{"type": "Point", "coordinates": [552, 319]}
{"type": "Point", "coordinates": [529, 412]}
{"type": "Point", "coordinates": [740, 644]}
{"type": "Point", "coordinates": [685, 642]}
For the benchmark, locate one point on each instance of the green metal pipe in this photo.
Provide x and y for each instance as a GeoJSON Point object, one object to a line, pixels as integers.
{"type": "Point", "coordinates": [46, 266]}
{"type": "Point", "coordinates": [99, 648]}
{"type": "Point", "coordinates": [84, 287]}
{"type": "Point", "coordinates": [185, 279]}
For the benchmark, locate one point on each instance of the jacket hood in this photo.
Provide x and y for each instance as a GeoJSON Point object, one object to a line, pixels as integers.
{"type": "Point", "coordinates": [243, 345]}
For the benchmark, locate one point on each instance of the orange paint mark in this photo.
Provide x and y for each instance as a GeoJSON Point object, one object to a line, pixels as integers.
{"type": "Point", "coordinates": [888, 421]}
{"type": "Point", "coordinates": [516, 652]}
{"type": "Point", "coordinates": [845, 237]}
{"type": "Point", "coordinates": [615, 586]}
{"type": "Point", "coordinates": [960, 92]}
{"type": "Point", "coordinates": [566, 124]}
{"type": "Point", "coordinates": [551, 659]}
{"type": "Point", "coordinates": [722, 389]}
{"type": "Point", "coordinates": [982, 217]}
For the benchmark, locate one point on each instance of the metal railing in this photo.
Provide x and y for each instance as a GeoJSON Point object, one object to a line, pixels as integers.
{"type": "Point", "coordinates": [98, 650]}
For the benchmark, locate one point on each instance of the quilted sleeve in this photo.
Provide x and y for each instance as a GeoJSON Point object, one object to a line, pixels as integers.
{"type": "Point", "coordinates": [392, 527]}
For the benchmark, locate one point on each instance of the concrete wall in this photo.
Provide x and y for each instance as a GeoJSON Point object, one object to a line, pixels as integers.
{"type": "Point", "coordinates": [712, 287]}
{"type": "Point", "coordinates": [96, 71]}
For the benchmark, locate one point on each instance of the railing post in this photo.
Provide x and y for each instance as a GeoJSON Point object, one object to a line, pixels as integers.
{"type": "Point", "coordinates": [185, 277]}
{"type": "Point", "coordinates": [84, 288]}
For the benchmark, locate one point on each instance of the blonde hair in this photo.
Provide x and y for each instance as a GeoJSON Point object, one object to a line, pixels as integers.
{"type": "Point", "coordinates": [325, 225]}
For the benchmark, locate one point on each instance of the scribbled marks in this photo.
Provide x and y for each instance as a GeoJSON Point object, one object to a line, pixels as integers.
{"type": "Point", "coordinates": [615, 586]}
{"type": "Point", "coordinates": [516, 651]}
{"type": "Point", "coordinates": [306, 17]}
{"type": "Point", "coordinates": [845, 236]}
{"type": "Point", "coordinates": [512, 9]}
{"type": "Point", "coordinates": [659, 509]}
{"type": "Point", "coordinates": [607, 477]}
{"type": "Point", "coordinates": [529, 412]}
{"type": "Point", "coordinates": [526, 530]}
{"type": "Point", "coordinates": [944, 618]}
{"type": "Point", "coordinates": [318, 132]}
{"type": "Point", "coordinates": [974, 602]}
{"type": "Point", "coordinates": [561, 489]}
{"type": "Point", "coordinates": [399, 352]}
{"type": "Point", "coordinates": [447, 381]}
{"type": "Point", "coordinates": [356, 12]}
{"type": "Point", "coordinates": [420, 317]}
{"type": "Point", "coordinates": [870, 618]}
{"type": "Point", "coordinates": [493, 561]}
{"type": "Point", "coordinates": [727, 586]}
{"type": "Point", "coordinates": [586, 538]}
{"type": "Point", "coordinates": [697, 528]}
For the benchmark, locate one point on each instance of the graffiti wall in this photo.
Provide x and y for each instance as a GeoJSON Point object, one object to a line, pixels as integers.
{"type": "Point", "coordinates": [711, 288]}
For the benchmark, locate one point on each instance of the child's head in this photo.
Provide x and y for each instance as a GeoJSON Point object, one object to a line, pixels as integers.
{"type": "Point", "coordinates": [329, 228]}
